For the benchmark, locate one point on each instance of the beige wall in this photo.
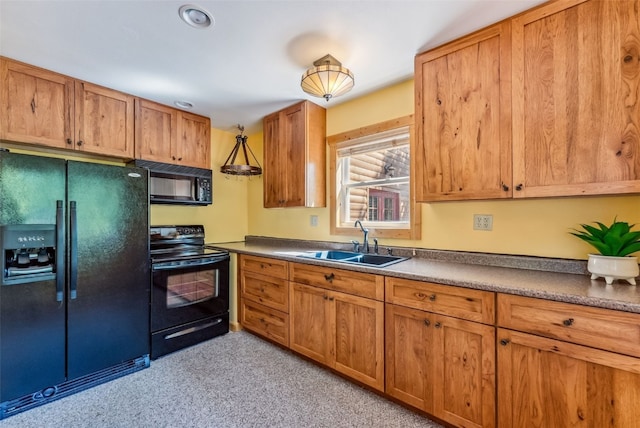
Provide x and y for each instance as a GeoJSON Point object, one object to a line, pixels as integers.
{"type": "Point", "coordinates": [536, 227]}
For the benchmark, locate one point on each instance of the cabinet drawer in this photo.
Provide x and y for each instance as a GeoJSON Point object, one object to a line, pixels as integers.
{"type": "Point", "coordinates": [267, 290]}
{"type": "Point", "coordinates": [265, 321]}
{"type": "Point", "coordinates": [270, 267]}
{"type": "Point", "coordinates": [358, 283]}
{"type": "Point", "coordinates": [473, 305]}
{"type": "Point", "coordinates": [595, 327]}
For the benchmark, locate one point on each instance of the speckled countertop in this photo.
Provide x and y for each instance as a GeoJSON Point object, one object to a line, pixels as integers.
{"type": "Point", "coordinates": [554, 279]}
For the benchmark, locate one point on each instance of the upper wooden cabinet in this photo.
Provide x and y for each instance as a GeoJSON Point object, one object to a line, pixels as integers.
{"type": "Point", "coordinates": [46, 108]}
{"type": "Point", "coordinates": [294, 157]}
{"type": "Point", "coordinates": [463, 111]}
{"type": "Point", "coordinates": [165, 134]}
{"type": "Point", "coordinates": [542, 105]}
{"type": "Point", "coordinates": [576, 99]}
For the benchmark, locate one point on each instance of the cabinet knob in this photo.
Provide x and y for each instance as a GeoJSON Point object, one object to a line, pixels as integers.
{"type": "Point", "coordinates": [331, 299]}
{"type": "Point", "coordinates": [329, 277]}
{"type": "Point", "coordinates": [505, 187]}
{"type": "Point", "coordinates": [179, 159]}
{"type": "Point", "coordinates": [427, 323]}
{"type": "Point", "coordinates": [568, 322]}
{"type": "Point", "coordinates": [519, 187]}
{"type": "Point", "coordinates": [432, 297]}
{"type": "Point", "coordinates": [69, 142]}
{"type": "Point", "coordinates": [504, 342]}
{"type": "Point", "coordinates": [79, 143]}
{"type": "Point", "coordinates": [438, 325]}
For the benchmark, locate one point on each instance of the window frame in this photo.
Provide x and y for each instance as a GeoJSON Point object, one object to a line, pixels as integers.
{"type": "Point", "coordinates": [413, 231]}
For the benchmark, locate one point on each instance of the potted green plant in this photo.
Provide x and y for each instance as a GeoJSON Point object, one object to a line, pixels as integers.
{"type": "Point", "coordinates": [615, 244]}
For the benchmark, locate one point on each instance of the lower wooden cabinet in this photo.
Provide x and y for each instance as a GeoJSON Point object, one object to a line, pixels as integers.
{"type": "Point", "coordinates": [442, 365]}
{"type": "Point", "coordinates": [550, 383]}
{"type": "Point", "coordinates": [266, 322]}
{"type": "Point", "coordinates": [264, 297]}
{"type": "Point", "coordinates": [562, 364]}
{"type": "Point", "coordinates": [342, 331]}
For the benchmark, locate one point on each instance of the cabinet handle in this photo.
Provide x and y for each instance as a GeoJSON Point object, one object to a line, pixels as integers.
{"type": "Point", "coordinates": [69, 142]}
{"type": "Point", "coordinates": [179, 159]}
{"type": "Point", "coordinates": [438, 325]}
{"type": "Point", "coordinates": [173, 157]}
{"type": "Point", "coordinates": [504, 342]}
{"type": "Point", "coordinates": [325, 297]}
{"type": "Point", "coordinates": [33, 105]}
{"type": "Point", "coordinates": [432, 297]}
{"type": "Point", "coordinates": [79, 143]}
{"type": "Point", "coordinates": [331, 299]}
{"type": "Point", "coordinates": [329, 277]}
{"type": "Point", "coordinates": [519, 187]}
{"type": "Point", "coordinates": [427, 323]}
{"type": "Point", "coordinates": [568, 322]}
{"type": "Point", "coordinates": [505, 187]}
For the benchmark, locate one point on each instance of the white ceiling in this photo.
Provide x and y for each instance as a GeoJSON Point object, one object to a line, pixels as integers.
{"type": "Point", "coordinates": [250, 62]}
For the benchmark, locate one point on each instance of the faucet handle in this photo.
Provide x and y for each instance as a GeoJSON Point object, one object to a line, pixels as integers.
{"type": "Point", "coordinates": [356, 246]}
{"type": "Point", "coordinates": [375, 245]}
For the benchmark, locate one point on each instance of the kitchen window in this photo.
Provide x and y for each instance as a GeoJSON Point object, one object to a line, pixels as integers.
{"type": "Point", "coordinates": [370, 173]}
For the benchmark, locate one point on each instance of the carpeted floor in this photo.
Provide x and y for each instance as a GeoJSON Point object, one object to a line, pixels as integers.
{"type": "Point", "coordinates": [233, 381]}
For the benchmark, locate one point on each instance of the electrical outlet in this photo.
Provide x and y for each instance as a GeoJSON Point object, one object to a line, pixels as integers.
{"type": "Point", "coordinates": [482, 222]}
{"type": "Point", "coordinates": [313, 221]}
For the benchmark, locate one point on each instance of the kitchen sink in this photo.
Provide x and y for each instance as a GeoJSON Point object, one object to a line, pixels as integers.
{"type": "Point", "coordinates": [376, 260]}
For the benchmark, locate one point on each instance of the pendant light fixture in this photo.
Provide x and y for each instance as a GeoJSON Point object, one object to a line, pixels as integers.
{"type": "Point", "coordinates": [327, 79]}
{"type": "Point", "coordinates": [241, 169]}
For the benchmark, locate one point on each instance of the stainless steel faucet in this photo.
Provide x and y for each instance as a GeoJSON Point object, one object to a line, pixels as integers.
{"type": "Point", "coordinates": [365, 231]}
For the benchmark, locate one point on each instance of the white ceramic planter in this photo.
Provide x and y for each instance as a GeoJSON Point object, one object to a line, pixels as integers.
{"type": "Point", "coordinates": [610, 268]}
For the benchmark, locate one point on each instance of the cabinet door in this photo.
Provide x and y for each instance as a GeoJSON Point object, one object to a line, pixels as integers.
{"type": "Point", "coordinates": [311, 324]}
{"type": "Point", "coordinates": [292, 155]}
{"type": "Point", "coordinates": [464, 370]}
{"type": "Point", "coordinates": [576, 85]}
{"type": "Point", "coordinates": [104, 121]}
{"type": "Point", "coordinates": [36, 105]}
{"type": "Point", "coordinates": [463, 129]}
{"type": "Point", "coordinates": [409, 356]}
{"type": "Point", "coordinates": [359, 338]}
{"type": "Point", "coordinates": [273, 174]}
{"type": "Point", "coordinates": [194, 140]}
{"type": "Point", "coordinates": [549, 383]}
{"type": "Point", "coordinates": [156, 131]}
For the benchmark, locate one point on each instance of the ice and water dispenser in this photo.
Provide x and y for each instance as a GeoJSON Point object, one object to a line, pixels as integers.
{"type": "Point", "coordinates": [28, 253]}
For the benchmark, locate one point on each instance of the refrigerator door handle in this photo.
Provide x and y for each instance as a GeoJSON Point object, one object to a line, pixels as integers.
{"type": "Point", "coordinates": [73, 251]}
{"type": "Point", "coordinates": [60, 251]}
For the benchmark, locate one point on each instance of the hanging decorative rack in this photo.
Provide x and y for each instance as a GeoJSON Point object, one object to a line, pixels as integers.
{"type": "Point", "coordinates": [246, 168]}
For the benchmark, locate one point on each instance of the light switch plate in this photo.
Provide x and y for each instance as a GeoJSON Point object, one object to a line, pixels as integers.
{"type": "Point", "coordinates": [313, 221]}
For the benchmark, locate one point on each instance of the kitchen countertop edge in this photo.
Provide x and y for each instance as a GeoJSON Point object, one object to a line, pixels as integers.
{"type": "Point", "coordinates": [573, 287]}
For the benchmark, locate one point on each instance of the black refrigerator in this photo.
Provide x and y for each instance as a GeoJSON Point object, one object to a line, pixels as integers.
{"type": "Point", "coordinates": [74, 291]}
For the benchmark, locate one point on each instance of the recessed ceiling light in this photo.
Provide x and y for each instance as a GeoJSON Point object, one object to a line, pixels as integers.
{"type": "Point", "coordinates": [184, 104]}
{"type": "Point", "coordinates": [195, 16]}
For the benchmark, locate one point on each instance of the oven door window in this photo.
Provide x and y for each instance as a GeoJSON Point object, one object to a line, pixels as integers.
{"type": "Point", "coordinates": [189, 293]}
{"type": "Point", "coordinates": [184, 289]}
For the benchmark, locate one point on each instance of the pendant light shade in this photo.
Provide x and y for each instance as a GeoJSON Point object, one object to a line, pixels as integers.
{"type": "Point", "coordinates": [231, 168]}
{"type": "Point", "coordinates": [327, 79]}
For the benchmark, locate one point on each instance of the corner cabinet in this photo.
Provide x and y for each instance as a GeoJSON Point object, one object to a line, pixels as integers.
{"type": "Point", "coordinates": [49, 109]}
{"type": "Point", "coordinates": [463, 113]}
{"type": "Point", "coordinates": [576, 99]}
{"type": "Point", "coordinates": [561, 365]}
{"type": "Point", "coordinates": [337, 319]}
{"type": "Point", "coordinates": [165, 134]}
{"type": "Point", "coordinates": [295, 157]}
{"type": "Point", "coordinates": [440, 354]}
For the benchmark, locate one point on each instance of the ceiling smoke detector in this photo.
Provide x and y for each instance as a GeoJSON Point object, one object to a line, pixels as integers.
{"type": "Point", "coordinates": [195, 16]}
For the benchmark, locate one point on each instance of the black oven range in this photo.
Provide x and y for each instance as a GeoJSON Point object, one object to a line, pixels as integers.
{"type": "Point", "coordinates": [190, 289]}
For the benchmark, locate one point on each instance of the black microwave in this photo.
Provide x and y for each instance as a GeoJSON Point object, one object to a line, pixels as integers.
{"type": "Point", "coordinates": [177, 184]}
